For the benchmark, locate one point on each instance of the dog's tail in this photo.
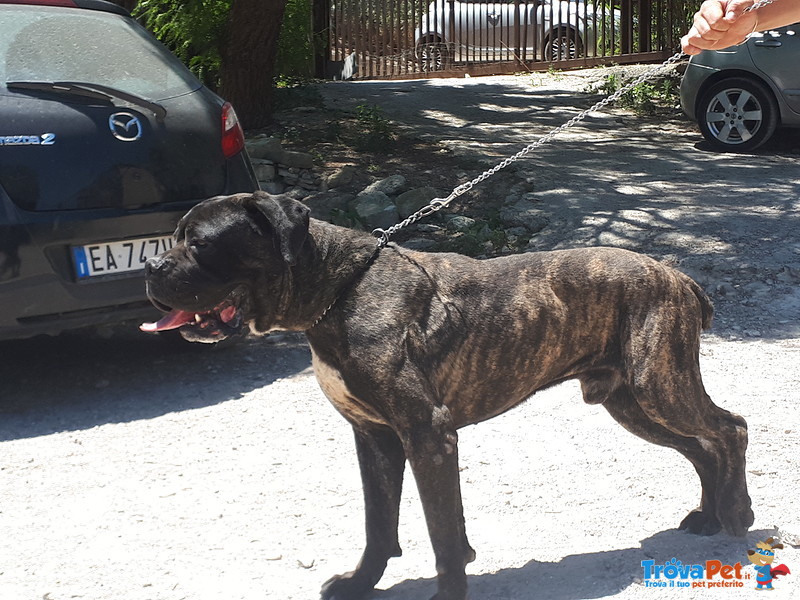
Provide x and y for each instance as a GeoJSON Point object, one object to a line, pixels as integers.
{"type": "Point", "coordinates": [706, 306]}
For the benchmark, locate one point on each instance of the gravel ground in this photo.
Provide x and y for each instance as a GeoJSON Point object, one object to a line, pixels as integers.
{"type": "Point", "coordinates": [137, 469]}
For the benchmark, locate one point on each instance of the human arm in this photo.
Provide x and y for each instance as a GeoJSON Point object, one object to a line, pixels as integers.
{"type": "Point", "coordinates": [723, 23]}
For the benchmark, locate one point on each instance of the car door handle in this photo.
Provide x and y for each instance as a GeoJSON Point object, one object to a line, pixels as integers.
{"type": "Point", "coordinates": [768, 43]}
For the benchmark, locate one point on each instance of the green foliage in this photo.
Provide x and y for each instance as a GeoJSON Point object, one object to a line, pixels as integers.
{"type": "Point", "coordinates": [374, 131]}
{"type": "Point", "coordinates": [292, 92]}
{"type": "Point", "coordinates": [295, 49]}
{"type": "Point", "coordinates": [645, 97]}
{"type": "Point", "coordinates": [192, 29]}
{"type": "Point", "coordinates": [485, 236]}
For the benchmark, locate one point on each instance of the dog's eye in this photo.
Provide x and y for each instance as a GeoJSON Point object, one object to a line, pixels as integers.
{"type": "Point", "coordinates": [197, 243]}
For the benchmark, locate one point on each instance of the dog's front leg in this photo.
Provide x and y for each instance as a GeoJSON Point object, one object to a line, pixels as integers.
{"type": "Point", "coordinates": [432, 450]}
{"type": "Point", "coordinates": [381, 459]}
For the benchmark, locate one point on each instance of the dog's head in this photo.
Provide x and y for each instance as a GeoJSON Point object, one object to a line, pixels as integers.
{"type": "Point", "coordinates": [225, 248]}
{"type": "Point", "coordinates": [764, 554]}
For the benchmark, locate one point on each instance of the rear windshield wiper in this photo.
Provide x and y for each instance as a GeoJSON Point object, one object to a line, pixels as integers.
{"type": "Point", "coordinates": [93, 91]}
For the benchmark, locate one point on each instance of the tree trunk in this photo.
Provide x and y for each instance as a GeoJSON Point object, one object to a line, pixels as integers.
{"type": "Point", "coordinates": [248, 59]}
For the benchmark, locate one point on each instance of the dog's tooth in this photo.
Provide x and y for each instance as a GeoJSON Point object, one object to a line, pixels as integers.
{"type": "Point", "coordinates": [198, 318]}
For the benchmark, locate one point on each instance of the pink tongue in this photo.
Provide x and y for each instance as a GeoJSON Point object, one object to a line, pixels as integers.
{"type": "Point", "coordinates": [172, 320]}
{"type": "Point", "coordinates": [228, 314]}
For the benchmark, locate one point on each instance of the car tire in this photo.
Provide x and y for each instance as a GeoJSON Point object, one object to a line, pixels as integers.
{"type": "Point", "coordinates": [737, 114]}
{"type": "Point", "coordinates": [562, 44]}
{"type": "Point", "coordinates": [433, 56]}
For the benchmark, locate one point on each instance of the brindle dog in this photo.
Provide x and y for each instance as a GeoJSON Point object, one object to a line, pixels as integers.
{"type": "Point", "coordinates": [411, 346]}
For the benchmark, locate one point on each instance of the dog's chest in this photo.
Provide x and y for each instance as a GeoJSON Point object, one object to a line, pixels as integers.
{"type": "Point", "coordinates": [335, 389]}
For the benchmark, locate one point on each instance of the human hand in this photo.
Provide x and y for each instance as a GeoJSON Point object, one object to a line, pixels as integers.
{"type": "Point", "coordinates": [720, 24]}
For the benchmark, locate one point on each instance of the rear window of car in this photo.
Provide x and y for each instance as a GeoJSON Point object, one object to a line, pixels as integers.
{"type": "Point", "coordinates": [43, 43]}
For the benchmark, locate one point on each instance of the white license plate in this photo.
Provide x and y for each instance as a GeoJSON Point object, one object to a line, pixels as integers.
{"type": "Point", "coordinates": [125, 256]}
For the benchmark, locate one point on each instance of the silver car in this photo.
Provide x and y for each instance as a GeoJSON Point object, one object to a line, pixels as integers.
{"type": "Point", "coordinates": [740, 95]}
{"type": "Point", "coordinates": [476, 30]}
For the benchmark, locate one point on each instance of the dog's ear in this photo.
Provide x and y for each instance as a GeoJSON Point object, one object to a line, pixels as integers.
{"type": "Point", "coordinates": [284, 218]}
{"type": "Point", "coordinates": [180, 230]}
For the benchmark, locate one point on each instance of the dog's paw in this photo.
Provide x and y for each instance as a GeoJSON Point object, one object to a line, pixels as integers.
{"type": "Point", "coordinates": [737, 521]}
{"type": "Point", "coordinates": [735, 512]}
{"type": "Point", "coordinates": [347, 586]}
{"type": "Point", "coordinates": [700, 523]}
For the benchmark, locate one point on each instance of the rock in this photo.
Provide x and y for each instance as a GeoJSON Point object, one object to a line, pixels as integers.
{"type": "Point", "coordinates": [324, 205]}
{"type": "Point", "coordinates": [389, 186]}
{"type": "Point", "coordinates": [376, 209]}
{"type": "Point", "coordinates": [484, 234]}
{"type": "Point", "coordinates": [265, 170]}
{"type": "Point", "coordinates": [790, 533]}
{"type": "Point", "coordinates": [517, 231]}
{"type": "Point", "coordinates": [289, 175]}
{"type": "Point", "coordinates": [272, 187]}
{"type": "Point", "coordinates": [342, 176]}
{"type": "Point", "coordinates": [418, 244]}
{"type": "Point", "coordinates": [411, 201]}
{"type": "Point", "coordinates": [298, 160]}
{"type": "Point", "coordinates": [725, 289]}
{"type": "Point", "coordinates": [524, 213]}
{"type": "Point", "coordinates": [268, 148]}
{"type": "Point", "coordinates": [426, 228]}
{"type": "Point", "coordinates": [459, 222]}
{"type": "Point", "coordinates": [298, 193]}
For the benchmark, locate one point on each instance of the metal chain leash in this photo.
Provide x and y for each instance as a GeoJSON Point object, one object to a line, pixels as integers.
{"type": "Point", "coordinates": [438, 204]}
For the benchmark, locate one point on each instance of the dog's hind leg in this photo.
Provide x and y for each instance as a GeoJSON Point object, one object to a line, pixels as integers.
{"type": "Point", "coordinates": [621, 405]}
{"type": "Point", "coordinates": [660, 372]}
{"type": "Point", "coordinates": [723, 435]}
{"type": "Point", "coordinates": [381, 460]}
{"type": "Point", "coordinates": [668, 390]}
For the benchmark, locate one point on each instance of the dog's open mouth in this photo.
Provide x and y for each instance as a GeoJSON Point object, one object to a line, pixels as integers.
{"type": "Point", "coordinates": [222, 321]}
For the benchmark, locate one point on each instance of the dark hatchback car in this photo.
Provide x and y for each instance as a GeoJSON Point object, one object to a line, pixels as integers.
{"type": "Point", "coordinates": [106, 139]}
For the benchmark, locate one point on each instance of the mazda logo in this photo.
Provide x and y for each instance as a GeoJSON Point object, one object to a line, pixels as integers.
{"type": "Point", "coordinates": [125, 126]}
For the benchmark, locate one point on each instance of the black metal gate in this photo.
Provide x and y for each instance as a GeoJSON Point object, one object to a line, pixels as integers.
{"type": "Point", "coordinates": [370, 39]}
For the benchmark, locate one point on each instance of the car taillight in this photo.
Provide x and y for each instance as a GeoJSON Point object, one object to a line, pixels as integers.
{"type": "Point", "coordinates": [232, 133]}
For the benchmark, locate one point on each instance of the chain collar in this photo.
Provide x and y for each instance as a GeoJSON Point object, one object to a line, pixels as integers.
{"type": "Point", "coordinates": [324, 313]}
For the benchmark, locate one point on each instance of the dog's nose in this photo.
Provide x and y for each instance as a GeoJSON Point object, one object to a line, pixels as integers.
{"type": "Point", "coordinates": [155, 264]}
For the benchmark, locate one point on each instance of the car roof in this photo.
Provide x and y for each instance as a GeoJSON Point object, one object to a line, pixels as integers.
{"type": "Point", "coordinates": [87, 4]}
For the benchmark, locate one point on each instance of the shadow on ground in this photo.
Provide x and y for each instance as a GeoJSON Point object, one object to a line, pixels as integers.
{"type": "Point", "coordinates": [78, 381]}
{"type": "Point", "coordinates": [596, 574]}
